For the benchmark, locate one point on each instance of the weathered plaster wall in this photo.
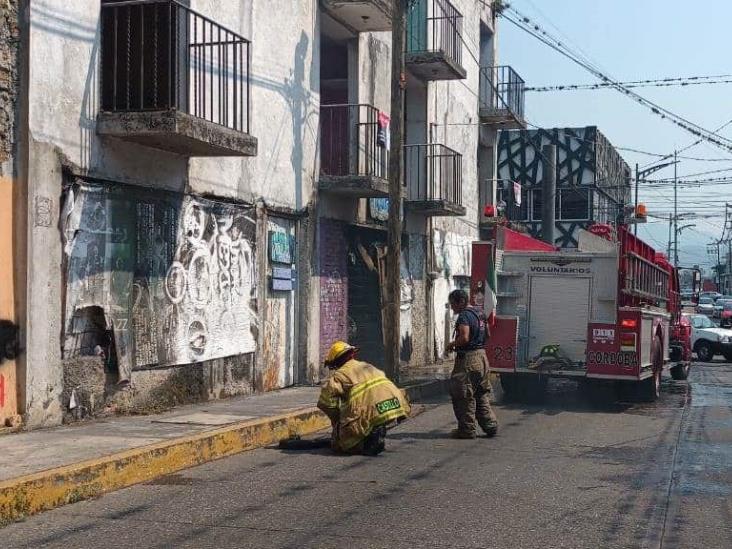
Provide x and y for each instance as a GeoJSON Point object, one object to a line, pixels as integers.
{"type": "Point", "coordinates": [285, 81]}
{"type": "Point", "coordinates": [64, 99]}
{"type": "Point", "coordinates": [453, 107]}
{"type": "Point", "coordinates": [333, 284]}
{"type": "Point", "coordinates": [63, 103]}
{"type": "Point", "coordinates": [44, 324]}
{"type": "Point", "coordinates": [416, 322]}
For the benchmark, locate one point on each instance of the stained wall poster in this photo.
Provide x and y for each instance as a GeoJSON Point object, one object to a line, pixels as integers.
{"type": "Point", "coordinates": [173, 273]}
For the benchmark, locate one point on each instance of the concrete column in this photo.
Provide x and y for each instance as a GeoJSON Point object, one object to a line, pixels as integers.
{"type": "Point", "coordinates": [549, 191]}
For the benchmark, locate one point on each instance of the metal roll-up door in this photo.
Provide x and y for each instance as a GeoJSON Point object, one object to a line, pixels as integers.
{"type": "Point", "coordinates": [559, 311]}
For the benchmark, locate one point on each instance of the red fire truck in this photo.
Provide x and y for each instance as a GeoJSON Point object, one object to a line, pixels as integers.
{"type": "Point", "coordinates": [608, 310]}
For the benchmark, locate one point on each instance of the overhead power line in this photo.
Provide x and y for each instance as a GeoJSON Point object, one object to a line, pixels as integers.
{"type": "Point", "coordinates": [689, 146]}
{"type": "Point", "coordinates": [527, 25]}
{"type": "Point", "coordinates": [680, 157]}
{"type": "Point", "coordinates": [653, 83]}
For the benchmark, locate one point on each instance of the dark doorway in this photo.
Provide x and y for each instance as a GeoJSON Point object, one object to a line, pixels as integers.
{"type": "Point", "coordinates": [364, 294]}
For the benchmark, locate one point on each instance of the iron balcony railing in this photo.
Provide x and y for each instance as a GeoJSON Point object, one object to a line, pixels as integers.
{"type": "Point", "coordinates": [161, 55]}
{"type": "Point", "coordinates": [351, 143]}
{"type": "Point", "coordinates": [501, 91]}
{"type": "Point", "coordinates": [433, 172]}
{"type": "Point", "coordinates": [435, 25]}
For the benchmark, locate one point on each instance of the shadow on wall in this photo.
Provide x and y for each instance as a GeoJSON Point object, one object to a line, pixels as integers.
{"type": "Point", "coordinates": [299, 101]}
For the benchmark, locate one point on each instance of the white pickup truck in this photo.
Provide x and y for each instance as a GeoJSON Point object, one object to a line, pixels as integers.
{"type": "Point", "coordinates": [709, 340]}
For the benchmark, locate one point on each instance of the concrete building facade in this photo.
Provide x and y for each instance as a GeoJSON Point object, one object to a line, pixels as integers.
{"type": "Point", "coordinates": [593, 180]}
{"type": "Point", "coordinates": [203, 185]}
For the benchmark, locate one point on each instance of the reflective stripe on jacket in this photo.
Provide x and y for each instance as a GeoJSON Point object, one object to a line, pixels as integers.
{"type": "Point", "coordinates": [358, 397]}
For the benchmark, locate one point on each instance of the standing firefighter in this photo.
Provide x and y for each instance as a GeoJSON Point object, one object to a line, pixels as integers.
{"type": "Point", "coordinates": [360, 402]}
{"type": "Point", "coordinates": [470, 387]}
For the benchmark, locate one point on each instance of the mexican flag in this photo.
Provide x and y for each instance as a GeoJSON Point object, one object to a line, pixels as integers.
{"type": "Point", "coordinates": [491, 299]}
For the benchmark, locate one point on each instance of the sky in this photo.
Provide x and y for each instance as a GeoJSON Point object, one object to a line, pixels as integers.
{"type": "Point", "coordinates": [637, 40]}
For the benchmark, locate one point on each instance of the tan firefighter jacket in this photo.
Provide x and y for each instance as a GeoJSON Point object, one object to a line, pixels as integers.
{"type": "Point", "coordinates": [358, 397]}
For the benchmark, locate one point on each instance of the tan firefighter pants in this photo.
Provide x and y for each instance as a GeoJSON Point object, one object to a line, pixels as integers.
{"type": "Point", "coordinates": [470, 389]}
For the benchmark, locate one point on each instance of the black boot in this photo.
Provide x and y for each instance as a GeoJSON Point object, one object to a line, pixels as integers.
{"type": "Point", "coordinates": [375, 443]}
{"type": "Point", "coordinates": [490, 428]}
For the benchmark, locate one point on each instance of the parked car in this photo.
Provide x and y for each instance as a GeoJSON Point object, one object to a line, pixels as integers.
{"type": "Point", "coordinates": [725, 316]}
{"type": "Point", "coordinates": [705, 306]}
{"type": "Point", "coordinates": [719, 305]}
{"type": "Point", "coordinates": [708, 340]}
{"type": "Point", "coordinates": [713, 295]}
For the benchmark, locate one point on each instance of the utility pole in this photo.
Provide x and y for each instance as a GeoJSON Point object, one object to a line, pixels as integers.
{"type": "Point", "coordinates": [639, 174]}
{"type": "Point", "coordinates": [635, 226]}
{"type": "Point", "coordinates": [670, 228]}
{"type": "Point", "coordinates": [549, 191]}
{"type": "Point", "coordinates": [676, 212]}
{"type": "Point", "coordinates": [396, 172]}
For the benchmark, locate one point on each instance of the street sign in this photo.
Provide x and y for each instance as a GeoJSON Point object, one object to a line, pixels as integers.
{"type": "Point", "coordinates": [280, 247]}
{"type": "Point", "coordinates": [282, 285]}
{"type": "Point", "coordinates": [282, 273]}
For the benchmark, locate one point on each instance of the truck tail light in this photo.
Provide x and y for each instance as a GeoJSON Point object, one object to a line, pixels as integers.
{"type": "Point", "coordinates": [629, 323]}
{"type": "Point", "coordinates": [627, 341]}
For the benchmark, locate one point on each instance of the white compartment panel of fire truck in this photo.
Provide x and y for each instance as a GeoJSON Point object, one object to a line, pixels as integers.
{"type": "Point", "coordinates": [602, 311]}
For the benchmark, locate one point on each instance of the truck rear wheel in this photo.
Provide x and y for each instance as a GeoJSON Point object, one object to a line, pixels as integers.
{"type": "Point", "coordinates": [650, 388]}
{"type": "Point", "coordinates": [680, 372]}
{"type": "Point", "coordinates": [524, 386]}
{"type": "Point", "coordinates": [511, 385]}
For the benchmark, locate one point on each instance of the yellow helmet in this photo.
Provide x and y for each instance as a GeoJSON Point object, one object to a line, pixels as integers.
{"type": "Point", "coordinates": [337, 350]}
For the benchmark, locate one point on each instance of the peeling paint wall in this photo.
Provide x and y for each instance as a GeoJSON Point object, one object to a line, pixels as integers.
{"type": "Point", "coordinates": [194, 345]}
{"type": "Point", "coordinates": [174, 274]}
{"type": "Point", "coordinates": [278, 345]}
{"type": "Point", "coordinates": [418, 318]}
{"type": "Point", "coordinates": [285, 82]}
{"type": "Point", "coordinates": [452, 257]}
{"type": "Point", "coordinates": [333, 249]}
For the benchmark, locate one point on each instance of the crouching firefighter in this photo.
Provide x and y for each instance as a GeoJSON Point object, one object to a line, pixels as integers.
{"type": "Point", "coordinates": [360, 402]}
{"type": "Point", "coordinates": [470, 387]}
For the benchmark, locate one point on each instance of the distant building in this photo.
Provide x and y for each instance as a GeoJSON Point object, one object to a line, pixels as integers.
{"type": "Point", "coordinates": [593, 180]}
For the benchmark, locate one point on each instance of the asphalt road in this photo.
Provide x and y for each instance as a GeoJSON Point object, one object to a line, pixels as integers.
{"type": "Point", "coordinates": [563, 473]}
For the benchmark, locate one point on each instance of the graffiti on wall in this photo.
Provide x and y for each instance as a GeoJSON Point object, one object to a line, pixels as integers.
{"type": "Point", "coordinates": [452, 263]}
{"type": "Point", "coordinates": [174, 274]}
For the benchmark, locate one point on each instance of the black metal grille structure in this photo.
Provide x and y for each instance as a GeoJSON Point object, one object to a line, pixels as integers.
{"type": "Point", "coordinates": [502, 91]}
{"type": "Point", "coordinates": [350, 144]}
{"type": "Point", "coordinates": [161, 55]}
{"type": "Point", "coordinates": [433, 172]}
{"type": "Point", "coordinates": [435, 26]}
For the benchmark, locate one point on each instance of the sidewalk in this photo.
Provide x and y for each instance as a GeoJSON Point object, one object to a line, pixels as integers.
{"type": "Point", "coordinates": [47, 468]}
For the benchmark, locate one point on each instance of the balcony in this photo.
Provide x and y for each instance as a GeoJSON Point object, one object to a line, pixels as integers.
{"type": "Point", "coordinates": [361, 15]}
{"type": "Point", "coordinates": [174, 80]}
{"type": "Point", "coordinates": [434, 180]}
{"type": "Point", "coordinates": [502, 98]}
{"type": "Point", "coordinates": [434, 44]}
{"type": "Point", "coordinates": [354, 160]}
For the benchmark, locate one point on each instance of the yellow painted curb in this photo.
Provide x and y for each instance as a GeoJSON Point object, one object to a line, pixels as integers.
{"type": "Point", "coordinates": [31, 494]}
